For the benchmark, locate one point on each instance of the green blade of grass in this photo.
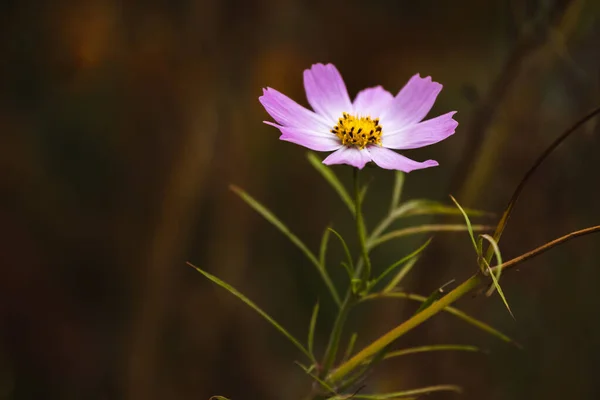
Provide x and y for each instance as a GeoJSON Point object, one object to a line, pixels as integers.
{"type": "Point", "coordinates": [426, 349]}
{"type": "Point", "coordinates": [414, 230]}
{"type": "Point", "coordinates": [269, 216]}
{"type": "Point", "coordinates": [399, 263]}
{"type": "Point", "coordinates": [256, 308]}
{"type": "Point", "coordinates": [451, 310]}
{"type": "Point", "coordinates": [311, 330]}
{"type": "Point", "coordinates": [332, 179]}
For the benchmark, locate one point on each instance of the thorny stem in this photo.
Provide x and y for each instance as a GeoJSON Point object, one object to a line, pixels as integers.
{"type": "Point", "coordinates": [466, 287]}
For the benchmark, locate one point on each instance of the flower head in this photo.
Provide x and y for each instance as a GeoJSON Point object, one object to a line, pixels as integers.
{"type": "Point", "coordinates": [362, 130]}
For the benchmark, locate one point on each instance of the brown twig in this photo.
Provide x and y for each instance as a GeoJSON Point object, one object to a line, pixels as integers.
{"type": "Point", "coordinates": [542, 249]}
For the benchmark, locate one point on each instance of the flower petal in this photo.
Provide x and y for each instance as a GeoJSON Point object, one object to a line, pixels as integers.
{"type": "Point", "coordinates": [372, 102]}
{"type": "Point", "coordinates": [349, 155]}
{"type": "Point", "coordinates": [389, 159]}
{"type": "Point", "coordinates": [314, 140]}
{"type": "Point", "coordinates": [411, 104]}
{"type": "Point", "coordinates": [326, 92]}
{"type": "Point", "coordinates": [421, 134]}
{"type": "Point", "coordinates": [289, 113]}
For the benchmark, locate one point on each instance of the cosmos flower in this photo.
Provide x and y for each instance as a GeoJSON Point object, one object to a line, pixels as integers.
{"type": "Point", "coordinates": [366, 129]}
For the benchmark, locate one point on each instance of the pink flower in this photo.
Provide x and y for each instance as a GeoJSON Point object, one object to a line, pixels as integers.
{"type": "Point", "coordinates": [366, 129]}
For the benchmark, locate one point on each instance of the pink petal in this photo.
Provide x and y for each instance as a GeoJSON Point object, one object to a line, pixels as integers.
{"type": "Point", "coordinates": [349, 155]}
{"type": "Point", "coordinates": [326, 92]}
{"type": "Point", "coordinates": [421, 134]}
{"type": "Point", "coordinates": [313, 140]}
{"type": "Point", "coordinates": [389, 159]}
{"type": "Point", "coordinates": [372, 102]}
{"type": "Point", "coordinates": [411, 104]}
{"type": "Point", "coordinates": [289, 113]}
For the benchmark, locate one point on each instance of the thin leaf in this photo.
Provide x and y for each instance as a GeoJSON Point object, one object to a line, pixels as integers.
{"type": "Point", "coordinates": [433, 297]}
{"type": "Point", "coordinates": [426, 349]}
{"type": "Point", "coordinates": [256, 308]}
{"type": "Point", "coordinates": [451, 310]}
{"type": "Point", "coordinates": [397, 191]}
{"type": "Point", "coordinates": [350, 347]}
{"type": "Point", "coordinates": [311, 329]}
{"type": "Point", "coordinates": [496, 279]}
{"type": "Point", "coordinates": [414, 230]}
{"type": "Point", "coordinates": [323, 248]}
{"type": "Point", "coordinates": [401, 274]}
{"type": "Point", "coordinates": [404, 394]}
{"type": "Point", "coordinates": [400, 262]}
{"type": "Point", "coordinates": [269, 216]}
{"type": "Point", "coordinates": [429, 207]}
{"type": "Point", "coordinates": [332, 179]}
{"type": "Point", "coordinates": [346, 249]}
{"type": "Point", "coordinates": [321, 382]}
{"type": "Point", "coordinates": [468, 222]}
{"type": "Point", "coordinates": [348, 270]}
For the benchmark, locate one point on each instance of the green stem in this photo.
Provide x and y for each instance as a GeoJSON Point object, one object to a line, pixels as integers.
{"type": "Point", "coordinates": [403, 328]}
{"type": "Point", "coordinates": [360, 226]}
{"type": "Point", "coordinates": [350, 299]}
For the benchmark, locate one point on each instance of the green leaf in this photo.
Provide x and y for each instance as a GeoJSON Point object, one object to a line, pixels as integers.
{"type": "Point", "coordinates": [350, 347]}
{"type": "Point", "coordinates": [269, 216]}
{"type": "Point", "coordinates": [496, 278]}
{"type": "Point", "coordinates": [468, 222]}
{"type": "Point", "coordinates": [323, 248]}
{"type": "Point", "coordinates": [321, 382]}
{"type": "Point", "coordinates": [426, 349]}
{"type": "Point", "coordinates": [430, 207]}
{"type": "Point", "coordinates": [346, 249]}
{"type": "Point", "coordinates": [332, 179]}
{"type": "Point", "coordinates": [256, 308]}
{"type": "Point", "coordinates": [414, 230]}
{"type": "Point", "coordinates": [434, 296]}
{"type": "Point", "coordinates": [311, 330]}
{"type": "Point", "coordinates": [451, 310]}
{"type": "Point", "coordinates": [398, 263]}
{"type": "Point", "coordinates": [397, 191]}
{"type": "Point", "coordinates": [401, 274]}
{"type": "Point", "coordinates": [403, 394]}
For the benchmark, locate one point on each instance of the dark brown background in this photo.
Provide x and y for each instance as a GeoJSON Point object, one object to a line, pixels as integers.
{"type": "Point", "coordinates": [124, 122]}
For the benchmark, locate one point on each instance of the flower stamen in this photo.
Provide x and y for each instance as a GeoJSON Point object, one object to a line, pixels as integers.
{"type": "Point", "coordinates": [358, 131]}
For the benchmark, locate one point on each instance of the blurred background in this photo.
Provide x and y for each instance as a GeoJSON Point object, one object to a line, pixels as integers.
{"type": "Point", "coordinates": [123, 123]}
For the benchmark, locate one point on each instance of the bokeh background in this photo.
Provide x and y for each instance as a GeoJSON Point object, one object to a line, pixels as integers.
{"type": "Point", "coordinates": [123, 123]}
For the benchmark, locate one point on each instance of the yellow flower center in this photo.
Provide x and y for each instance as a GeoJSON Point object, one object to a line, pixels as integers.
{"type": "Point", "coordinates": [358, 131]}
